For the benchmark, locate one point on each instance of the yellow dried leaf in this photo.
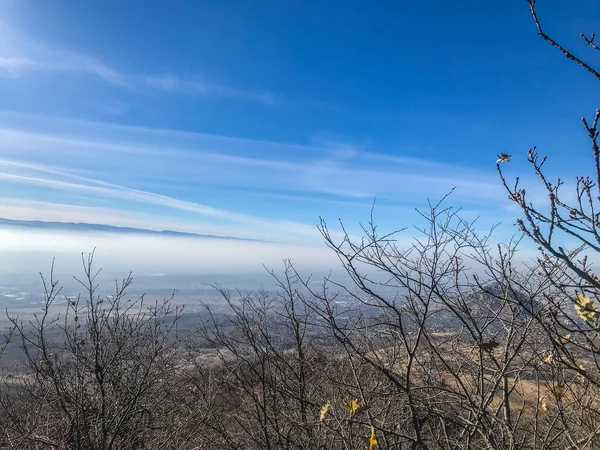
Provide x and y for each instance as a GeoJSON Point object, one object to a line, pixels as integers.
{"type": "Point", "coordinates": [559, 390]}
{"type": "Point", "coordinates": [548, 358]}
{"type": "Point", "coordinates": [351, 405]}
{"type": "Point", "coordinates": [324, 410]}
{"type": "Point", "coordinates": [372, 440]}
{"type": "Point", "coordinates": [563, 340]}
{"type": "Point", "coordinates": [580, 377]}
{"type": "Point", "coordinates": [586, 309]}
{"type": "Point", "coordinates": [544, 405]}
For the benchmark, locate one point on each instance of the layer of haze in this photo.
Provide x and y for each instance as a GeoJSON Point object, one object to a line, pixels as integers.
{"type": "Point", "coordinates": [32, 251]}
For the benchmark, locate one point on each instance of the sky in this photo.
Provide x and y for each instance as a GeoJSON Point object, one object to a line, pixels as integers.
{"type": "Point", "coordinates": [255, 118]}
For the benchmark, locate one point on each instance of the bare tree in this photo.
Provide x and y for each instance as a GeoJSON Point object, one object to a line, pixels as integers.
{"type": "Point", "coordinates": [566, 233]}
{"type": "Point", "coordinates": [451, 340]}
{"type": "Point", "coordinates": [96, 376]}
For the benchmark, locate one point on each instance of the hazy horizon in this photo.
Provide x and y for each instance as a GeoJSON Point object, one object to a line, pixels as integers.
{"type": "Point", "coordinates": [151, 254]}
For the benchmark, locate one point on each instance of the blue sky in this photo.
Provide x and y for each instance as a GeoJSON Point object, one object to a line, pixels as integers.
{"type": "Point", "coordinates": [254, 118]}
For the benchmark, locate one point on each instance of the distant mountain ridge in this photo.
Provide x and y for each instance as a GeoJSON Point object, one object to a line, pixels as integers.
{"type": "Point", "coordinates": [81, 226]}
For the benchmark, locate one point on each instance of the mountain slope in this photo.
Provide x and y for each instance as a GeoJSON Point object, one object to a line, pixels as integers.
{"type": "Point", "coordinates": [89, 227]}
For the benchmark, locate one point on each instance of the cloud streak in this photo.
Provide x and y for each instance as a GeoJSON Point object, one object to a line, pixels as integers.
{"type": "Point", "coordinates": [20, 55]}
{"type": "Point", "coordinates": [163, 155]}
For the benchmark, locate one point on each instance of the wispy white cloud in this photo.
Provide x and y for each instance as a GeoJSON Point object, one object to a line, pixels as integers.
{"type": "Point", "coordinates": [174, 84]}
{"type": "Point", "coordinates": [203, 183]}
{"type": "Point", "coordinates": [247, 225]}
{"type": "Point", "coordinates": [20, 54]}
{"type": "Point", "coordinates": [14, 67]}
{"type": "Point", "coordinates": [217, 161]}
